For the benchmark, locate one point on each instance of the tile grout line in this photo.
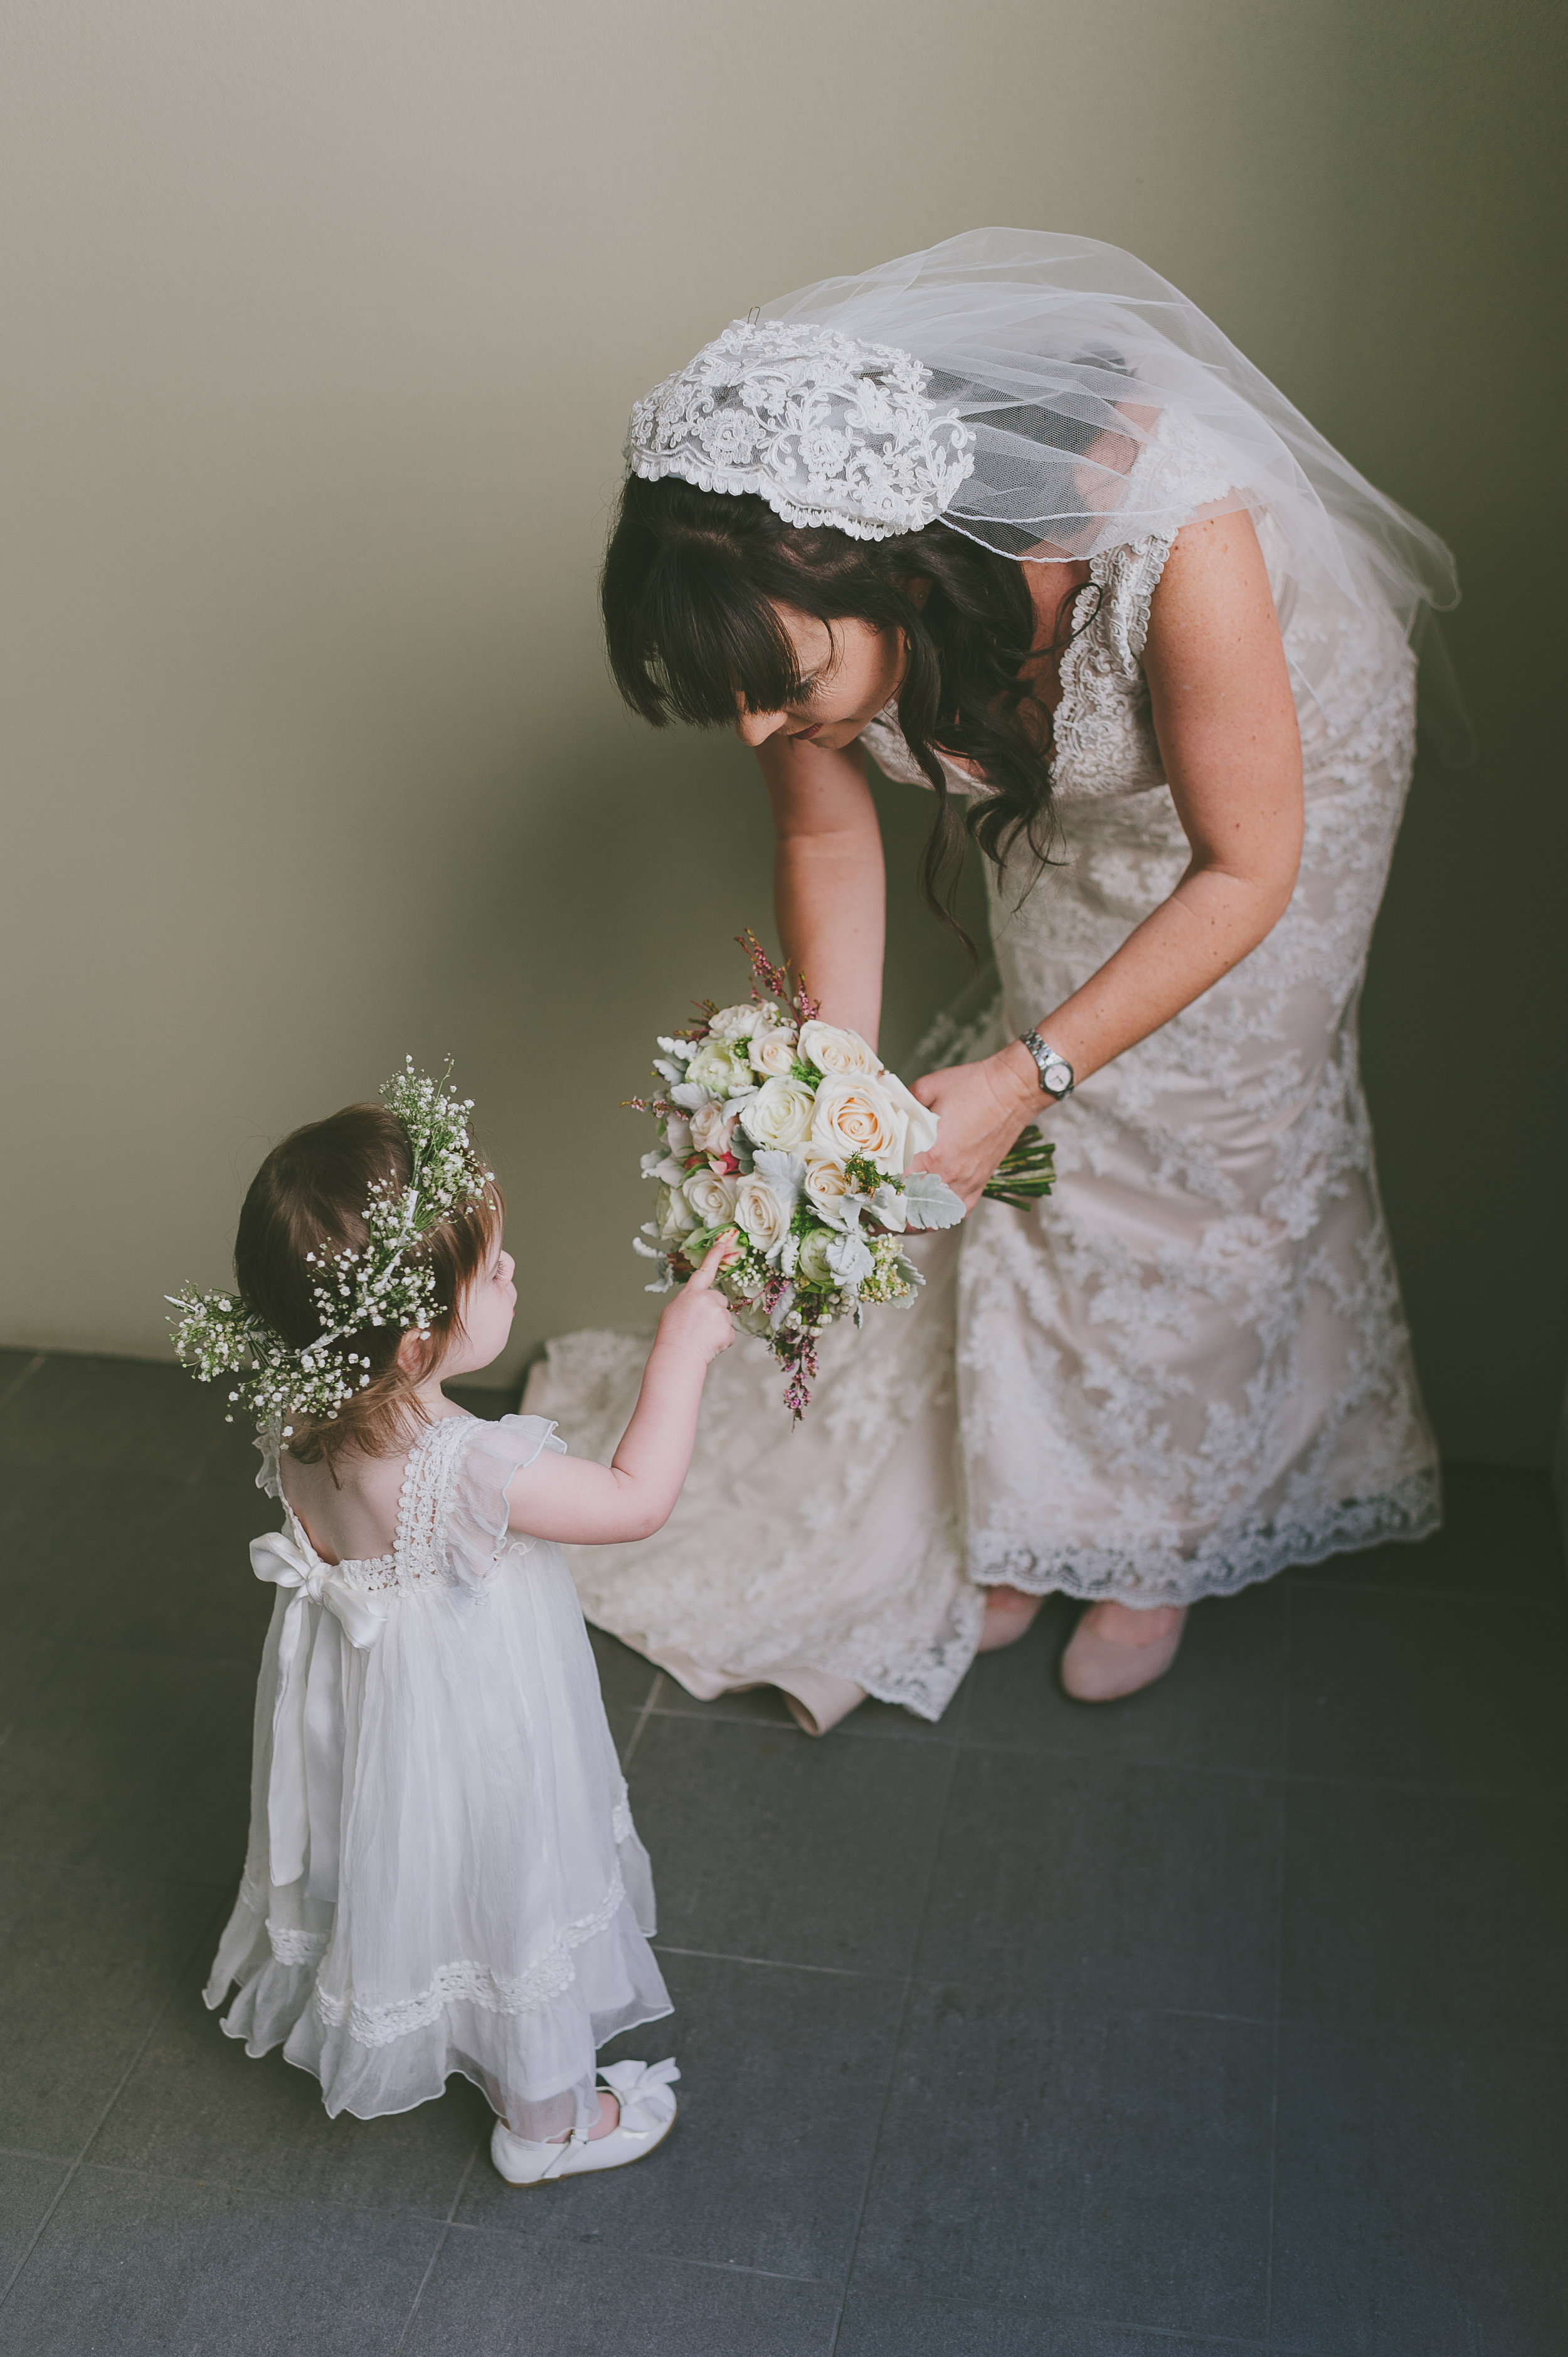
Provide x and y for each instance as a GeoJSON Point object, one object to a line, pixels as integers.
{"type": "Point", "coordinates": [440, 2246]}
{"type": "Point", "coordinates": [910, 1986]}
{"type": "Point", "coordinates": [1279, 1979]}
{"type": "Point", "coordinates": [176, 1982]}
{"type": "Point", "coordinates": [513, 2236]}
{"type": "Point", "coordinates": [1061, 1754]}
{"type": "Point", "coordinates": [653, 1694]}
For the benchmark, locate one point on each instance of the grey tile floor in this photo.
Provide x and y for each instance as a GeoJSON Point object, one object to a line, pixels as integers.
{"type": "Point", "coordinates": [1229, 2019]}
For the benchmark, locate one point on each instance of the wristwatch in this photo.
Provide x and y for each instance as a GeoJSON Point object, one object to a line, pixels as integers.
{"type": "Point", "coordinates": [1055, 1072]}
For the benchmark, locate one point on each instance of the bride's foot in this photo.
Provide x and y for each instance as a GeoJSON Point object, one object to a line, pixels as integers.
{"type": "Point", "coordinates": [1115, 1651]}
{"type": "Point", "coordinates": [1008, 1613]}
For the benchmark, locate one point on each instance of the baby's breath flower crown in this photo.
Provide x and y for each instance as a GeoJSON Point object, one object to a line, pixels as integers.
{"type": "Point", "coordinates": [215, 1334]}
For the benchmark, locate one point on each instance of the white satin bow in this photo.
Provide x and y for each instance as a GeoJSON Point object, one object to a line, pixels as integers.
{"type": "Point", "coordinates": [631, 2084]}
{"type": "Point", "coordinates": [305, 1790]}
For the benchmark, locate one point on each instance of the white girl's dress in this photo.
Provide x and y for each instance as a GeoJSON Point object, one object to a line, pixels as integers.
{"type": "Point", "coordinates": [1182, 1371]}
{"type": "Point", "coordinates": [443, 1873]}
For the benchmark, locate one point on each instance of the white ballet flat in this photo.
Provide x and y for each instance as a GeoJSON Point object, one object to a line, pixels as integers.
{"type": "Point", "coordinates": [647, 2116]}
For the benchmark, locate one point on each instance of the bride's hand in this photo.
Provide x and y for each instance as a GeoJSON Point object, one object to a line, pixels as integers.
{"type": "Point", "coordinates": [982, 1108]}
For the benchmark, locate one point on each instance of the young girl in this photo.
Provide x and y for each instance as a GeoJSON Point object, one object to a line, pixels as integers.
{"type": "Point", "coordinates": [443, 1873]}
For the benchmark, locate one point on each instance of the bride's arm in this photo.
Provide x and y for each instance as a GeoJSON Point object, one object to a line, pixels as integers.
{"type": "Point", "coordinates": [1226, 723]}
{"type": "Point", "coordinates": [829, 892]}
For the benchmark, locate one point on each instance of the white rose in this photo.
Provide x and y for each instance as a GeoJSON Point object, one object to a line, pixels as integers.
{"type": "Point", "coordinates": [812, 1269]}
{"type": "Point", "coordinates": [738, 1022]}
{"type": "Point", "coordinates": [763, 1215]}
{"type": "Point", "coordinates": [710, 1198]}
{"type": "Point", "coordinates": [855, 1115]}
{"type": "Point", "coordinates": [773, 1054]}
{"type": "Point", "coordinates": [779, 1115]}
{"type": "Point", "coordinates": [921, 1134]}
{"type": "Point", "coordinates": [677, 1134]}
{"type": "Point", "coordinates": [713, 1127]}
{"type": "Point", "coordinates": [826, 1187]}
{"type": "Point", "coordinates": [675, 1216]}
{"type": "Point", "coordinates": [719, 1066]}
{"type": "Point", "coordinates": [835, 1050]}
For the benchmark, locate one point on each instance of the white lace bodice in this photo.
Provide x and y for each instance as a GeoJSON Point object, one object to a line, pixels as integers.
{"type": "Point", "coordinates": [452, 1515]}
{"type": "Point", "coordinates": [1104, 740]}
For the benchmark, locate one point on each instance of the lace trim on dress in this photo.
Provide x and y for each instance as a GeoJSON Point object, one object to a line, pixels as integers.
{"type": "Point", "coordinates": [466, 1983]}
{"type": "Point", "coordinates": [291, 1946]}
{"type": "Point", "coordinates": [1227, 1561]}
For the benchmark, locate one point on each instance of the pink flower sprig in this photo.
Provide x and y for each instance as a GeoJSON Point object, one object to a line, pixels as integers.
{"type": "Point", "coordinates": [770, 981]}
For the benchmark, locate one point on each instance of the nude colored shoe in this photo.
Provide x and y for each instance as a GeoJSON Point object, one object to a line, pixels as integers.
{"type": "Point", "coordinates": [647, 2116]}
{"type": "Point", "coordinates": [1104, 1669]}
{"type": "Point", "coordinates": [1010, 1614]}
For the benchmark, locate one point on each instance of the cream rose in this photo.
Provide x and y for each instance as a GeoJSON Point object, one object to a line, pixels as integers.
{"type": "Point", "coordinates": [826, 1187]}
{"type": "Point", "coordinates": [764, 1215]}
{"type": "Point", "coordinates": [921, 1134]}
{"type": "Point", "coordinates": [674, 1214]}
{"type": "Point", "coordinates": [721, 1066]}
{"type": "Point", "coordinates": [710, 1198]}
{"type": "Point", "coordinates": [855, 1115]}
{"type": "Point", "coordinates": [812, 1266]}
{"type": "Point", "coordinates": [713, 1127]}
{"type": "Point", "coordinates": [832, 1049]}
{"type": "Point", "coordinates": [738, 1022]}
{"type": "Point", "coordinates": [779, 1115]}
{"type": "Point", "coordinates": [773, 1054]}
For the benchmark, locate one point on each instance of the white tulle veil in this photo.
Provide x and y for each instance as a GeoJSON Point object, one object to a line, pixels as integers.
{"type": "Point", "coordinates": [1070, 366]}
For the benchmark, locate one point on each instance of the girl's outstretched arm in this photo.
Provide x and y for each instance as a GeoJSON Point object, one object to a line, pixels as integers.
{"type": "Point", "coordinates": [594, 1505]}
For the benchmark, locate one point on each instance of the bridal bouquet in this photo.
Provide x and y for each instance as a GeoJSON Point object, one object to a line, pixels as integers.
{"type": "Point", "coordinates": [794, 1135]}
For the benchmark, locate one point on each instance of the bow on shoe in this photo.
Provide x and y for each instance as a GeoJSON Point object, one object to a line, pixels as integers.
{"type": "Point", "coordinates": [638, 2088]}
{"type": "Point", "coordinates": [304, 1790]}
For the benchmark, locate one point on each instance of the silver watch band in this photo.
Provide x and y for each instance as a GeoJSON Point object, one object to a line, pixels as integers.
{"type": "Point", "coordinates": [1055, 1072]}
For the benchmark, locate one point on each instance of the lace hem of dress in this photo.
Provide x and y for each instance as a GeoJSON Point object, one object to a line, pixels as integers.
{"type": "Point", "coordinates": [466, 1982]}
{"type": "Point", "coordinates": [1412, 1509]}
{"type": "Point", "coordinates": [926, 1686]}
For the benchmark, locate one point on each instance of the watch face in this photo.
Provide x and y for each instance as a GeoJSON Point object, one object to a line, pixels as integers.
{"type": "Point", "coordinates": [1057, 1081]}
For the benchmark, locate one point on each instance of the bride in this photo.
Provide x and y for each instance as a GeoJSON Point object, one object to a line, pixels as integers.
{"type": "Point", "coordinates": [1014, 517]}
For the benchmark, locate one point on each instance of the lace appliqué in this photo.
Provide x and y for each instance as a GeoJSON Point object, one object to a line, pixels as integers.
{"type": "Point", "coordinates": [465, 1983]}
{"type": "Point", "coordinates": [826, 429]}
{"type": "Point", "coordinates": [1189, 1368]}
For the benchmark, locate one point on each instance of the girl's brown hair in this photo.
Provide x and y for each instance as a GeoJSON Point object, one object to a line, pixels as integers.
{"type": "Point", "coordinates": [310, 1196]}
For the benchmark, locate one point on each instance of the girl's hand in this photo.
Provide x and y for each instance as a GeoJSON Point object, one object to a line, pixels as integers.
{"type": "Point", "coordinates": [698, 1317]}
{"type": "Point", "coordinates": [982, 1108]}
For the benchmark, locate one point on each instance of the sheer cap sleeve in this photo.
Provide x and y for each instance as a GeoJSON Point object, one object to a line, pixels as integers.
{"type": "Point", "coordinates": [475, 1524]}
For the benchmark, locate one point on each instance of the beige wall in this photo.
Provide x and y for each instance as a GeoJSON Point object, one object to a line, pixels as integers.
{"type": "Point", "coordinates": [323, 322]}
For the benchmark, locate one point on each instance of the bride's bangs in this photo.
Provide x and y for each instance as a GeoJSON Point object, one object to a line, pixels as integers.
{"type": "Point", "coordinates": [716, 642]}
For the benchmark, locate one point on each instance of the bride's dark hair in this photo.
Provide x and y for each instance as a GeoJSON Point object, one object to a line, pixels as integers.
{"type": "Point", "coordinates": [690, 587]}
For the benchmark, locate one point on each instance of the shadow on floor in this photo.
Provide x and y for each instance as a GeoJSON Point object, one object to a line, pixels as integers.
{"type": "Point", "coordinates": [1228, 2018]}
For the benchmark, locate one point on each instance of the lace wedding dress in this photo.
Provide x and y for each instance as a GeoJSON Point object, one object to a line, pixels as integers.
{"type": "Point", "coordinates": [1184, 1368]}
{"type": "Point", "coordinates": [443, 1873]}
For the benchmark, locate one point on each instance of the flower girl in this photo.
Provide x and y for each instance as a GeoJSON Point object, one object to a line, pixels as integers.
{"type": "Point", "coordinates": [443, 1873]}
